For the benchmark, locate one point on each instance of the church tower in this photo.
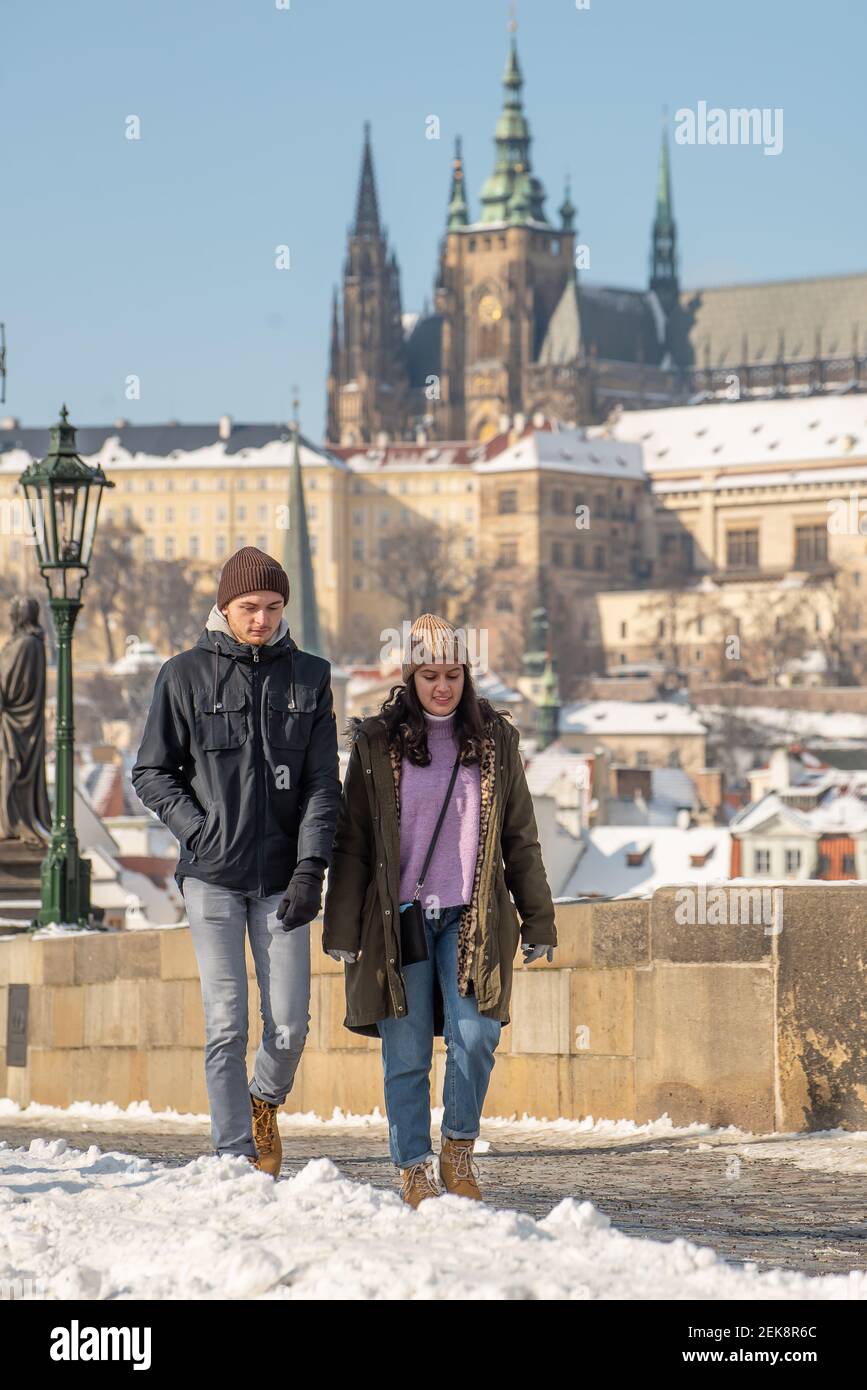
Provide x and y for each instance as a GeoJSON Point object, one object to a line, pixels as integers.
{"type": "Point", "coordinates": [663, 247]}
{"type": "Point", "coordinates": [368, 379]}
{"type": "Point", "coordinates": [500, 279]}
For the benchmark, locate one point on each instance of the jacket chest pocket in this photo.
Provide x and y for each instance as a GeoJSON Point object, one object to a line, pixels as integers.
{"type": "Point", "coordinates": [223, 727]}
{"type": "Point", "coordinates": [288, 725]}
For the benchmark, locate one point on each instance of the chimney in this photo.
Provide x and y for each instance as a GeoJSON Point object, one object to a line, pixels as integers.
{"type": "Point", "coordinates": [779, 770]}
{"type": "Point", "coordinates": [710, 785]}
{"type": "Point", "coordinates": [224, 427]}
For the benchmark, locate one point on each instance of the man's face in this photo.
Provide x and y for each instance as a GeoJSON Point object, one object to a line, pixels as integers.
{"type": "Point", "coordinates": [439, 687]}
{"type": "Point", "coordinates": [254, 618]}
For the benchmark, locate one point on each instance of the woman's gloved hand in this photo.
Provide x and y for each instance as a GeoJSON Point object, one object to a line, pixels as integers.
{"type": "Point", "coordinates": [532, 953]}
{"type": "Point", "coordinates": [350, 957]}
{"type": "Point", "coordinates": [303, 898]}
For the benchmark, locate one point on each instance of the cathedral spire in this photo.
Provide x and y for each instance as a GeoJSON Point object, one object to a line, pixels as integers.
{"type": "Point", "coordinates": [567, 209]}
{"type": "Point", "coordinates": [663, 249]}
{"type": "Point", "coordinates": [302, 611]}
{"type": "Point", "coordinates": [459, 214]}
{"type": "Point", "coordinates": [512, 193]}
{"type": "Point", "coordinates": [367, 207]}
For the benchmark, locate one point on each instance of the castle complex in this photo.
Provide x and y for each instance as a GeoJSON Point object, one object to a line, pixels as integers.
{"type": "Point", "coordinates": [517, 330]}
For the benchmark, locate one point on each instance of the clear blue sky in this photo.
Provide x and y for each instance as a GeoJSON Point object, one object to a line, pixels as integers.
{"type": "Point", "coordinates": [156, 257]}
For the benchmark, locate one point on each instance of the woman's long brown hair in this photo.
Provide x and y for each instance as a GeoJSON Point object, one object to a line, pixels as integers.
{"type": "Point", "coordinates": [405, 726]}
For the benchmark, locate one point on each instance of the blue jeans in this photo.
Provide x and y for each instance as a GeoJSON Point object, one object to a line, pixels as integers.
{"type": "Point", "coordinates": [219, 921]}
{"type": "Point", "coordinates": [407, 1049]}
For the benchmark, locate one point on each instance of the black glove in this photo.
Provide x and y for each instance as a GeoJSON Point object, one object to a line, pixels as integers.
{"type": "Point", "coordinates": [303, 898]}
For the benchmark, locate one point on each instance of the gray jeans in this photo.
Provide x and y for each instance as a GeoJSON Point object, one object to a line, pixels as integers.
{"type": "Point", "coordinates": [219, 919]}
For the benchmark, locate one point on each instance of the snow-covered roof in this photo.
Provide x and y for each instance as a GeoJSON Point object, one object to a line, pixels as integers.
{"type": "Point", "coordinates": [644, 717]}
{"type": "Point", "coordinates": [546, 768]}
{"type": "Point", "coordinates": [839, 809]}
{"type": "Point", "coordinates": [723, 434]}
{"type": "Point", "coordinates": [567, 450]}
{"type": "Point", "coordinates": [115, 456]}
{"type": "Point", "coordinates": [603, 868]}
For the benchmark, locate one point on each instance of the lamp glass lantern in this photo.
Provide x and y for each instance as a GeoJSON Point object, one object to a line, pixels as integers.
{"type": "Point", "coordinates": [63, 495]}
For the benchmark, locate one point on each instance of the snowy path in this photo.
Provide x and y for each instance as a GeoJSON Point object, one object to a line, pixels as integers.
{"type": "Point", "coordinates": [93, 1222]}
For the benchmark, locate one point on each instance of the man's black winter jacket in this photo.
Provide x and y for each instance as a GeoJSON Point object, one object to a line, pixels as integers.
{"type": "Point", "coordinates": [239, 760]}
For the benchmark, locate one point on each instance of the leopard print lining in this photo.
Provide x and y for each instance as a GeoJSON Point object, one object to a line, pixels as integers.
{"type": "Point", "coordinates": [470, 914]}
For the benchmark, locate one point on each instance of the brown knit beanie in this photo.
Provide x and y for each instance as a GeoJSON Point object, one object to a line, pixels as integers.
{"type": "Point", "coordinates": [432, 639]}
{"type": "Point", "coordinates": [249, 570]}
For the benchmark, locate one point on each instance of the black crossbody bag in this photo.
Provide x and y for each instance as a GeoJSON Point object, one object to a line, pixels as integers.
{"type": "Point", "coordinates": [413, 937]}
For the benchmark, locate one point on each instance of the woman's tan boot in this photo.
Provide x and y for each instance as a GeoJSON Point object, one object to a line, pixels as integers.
{"type": "Point", "coordinates": [457, 1169]}
{"type": "Point", "coordinates": [420, 1182]}
{"type": "Point", "coordinates": [266, 1136]}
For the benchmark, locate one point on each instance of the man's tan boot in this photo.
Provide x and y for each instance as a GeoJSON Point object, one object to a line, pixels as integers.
{"type": "Point", "coordinates": [457, 1169]}
{"type": "Point", "coordinates": [420, 1182]}
{"type": "Point", "coordinates": [266, 1136]}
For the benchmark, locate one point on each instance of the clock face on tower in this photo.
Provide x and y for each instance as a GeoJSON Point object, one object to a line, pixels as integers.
{"type": "Point", "coordinates": [490, 309]}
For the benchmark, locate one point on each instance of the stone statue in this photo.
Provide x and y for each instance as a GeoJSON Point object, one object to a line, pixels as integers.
{"type": "Point", "coordinates": [25, 814]}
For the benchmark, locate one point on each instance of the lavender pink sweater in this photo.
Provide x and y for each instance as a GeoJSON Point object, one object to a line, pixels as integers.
{"type": "Point", "coordinates": [422, 791]}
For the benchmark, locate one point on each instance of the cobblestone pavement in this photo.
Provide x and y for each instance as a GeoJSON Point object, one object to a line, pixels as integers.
{"type": "Point", "coordinates": [770, 1212]}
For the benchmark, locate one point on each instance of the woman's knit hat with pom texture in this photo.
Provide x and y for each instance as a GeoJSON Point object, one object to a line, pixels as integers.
{"type": "Point", "coordinates": [432, 639]}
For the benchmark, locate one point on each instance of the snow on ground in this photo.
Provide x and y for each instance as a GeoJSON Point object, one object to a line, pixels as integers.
{"type": "Point", "coordinates": [94, 1225]}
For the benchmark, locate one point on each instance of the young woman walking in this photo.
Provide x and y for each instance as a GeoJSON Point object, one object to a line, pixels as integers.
{"type": "Point", "coordinates": [434, 831]}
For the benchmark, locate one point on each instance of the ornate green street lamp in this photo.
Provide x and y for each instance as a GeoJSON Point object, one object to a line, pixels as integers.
{"type": "Point", "coordinates": [63, 493]}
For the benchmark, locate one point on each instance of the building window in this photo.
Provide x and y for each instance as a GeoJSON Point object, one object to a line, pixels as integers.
{"type": "Point", "coordinates": [623, 632]}
{"type": "Point", "coordinates": [195, 514]}
{"type": "Point", "coordinates": [221, 513]}
{"type": "Point", "coordinates": [557, 500]}
{"type": "Point", "coordinates": [641, 759]}
{"type": "Point", "coordinates": [598, 557]}
{"type": "Point", "coordinates": [811, 546]}
{"type": "Point", "coordinates": [263, 484]}
{"type": "Point", "coordinates": [194, 484]}
{"type": "Point", "coordinates": [241, 513]}
{"type": "Point", "coordinates": [849, 865]}
{"type": "Point", "coordinates": [170, 514]}
{"type": "Point", "coordinates": [742, 549]}
{"type": "Point", "coordinates": [508, 501]}
{"type": "Point", "coordinates": [761, 861]}
{"type": "Point", "coordinates": [793, 861]}
{"type": "Point", "coordinates": [504, 603]}
{"type": "Point", "coordinates": [557, 553]}
{"type": "Point", "coordinates": [241, 484]}
{"type": "Point", "coordinates": [314, 544]}
{"type": "Point", "coordinates": [577, 555]}
{"type": "Point", "coordinates": [194, 547]}
{"type": "Point", "coordinates": [601, 504]}
{"type": "Point", "coordinates": [170, 484]}
{"type": "Point", "coordinates": [221, 547]}
{"type": "Point", "coordinates": [148, 514]}
{"type": "Point", "coordinates": [169, 547]}
{"type": "Point", "coordinates": [262, 542]}
{"type": "Point", "coordinates": [357, 581]}
{"type": "Point", "coordinates": [149, 548]}
{"type": "Point", "coordinates": [358, 549]}
{"type": "Point", "coordinates": [262, 513]}
{"type": "Point", "coordinates": [507, 553]}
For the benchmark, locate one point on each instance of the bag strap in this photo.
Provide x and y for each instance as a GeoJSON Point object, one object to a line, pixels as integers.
{"type": "Point", "coordinates": [438, 828]}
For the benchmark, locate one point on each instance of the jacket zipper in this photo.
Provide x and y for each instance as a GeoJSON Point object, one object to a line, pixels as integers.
{"type": "Point", "coordinates": [257, 739]}
{"type": "Point", "coordinates": [395, 925]}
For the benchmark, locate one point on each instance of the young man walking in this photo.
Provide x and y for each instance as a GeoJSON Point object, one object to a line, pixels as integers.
{"type": "Point", "coordinates": [239, 760]}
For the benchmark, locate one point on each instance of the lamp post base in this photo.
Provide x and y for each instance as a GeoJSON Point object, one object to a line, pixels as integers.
{"type": "Point", "coordinates": [65, 887]}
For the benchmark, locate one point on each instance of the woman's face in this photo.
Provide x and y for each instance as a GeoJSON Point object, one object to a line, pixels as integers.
{"type": "Point", "coordinates": [439, 687]}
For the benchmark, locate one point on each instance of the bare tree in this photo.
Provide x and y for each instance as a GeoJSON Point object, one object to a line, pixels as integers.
{"type": "Point", "coordinates": [117, 585]}
{"type": "Point", "coordinates": [424, 566]}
